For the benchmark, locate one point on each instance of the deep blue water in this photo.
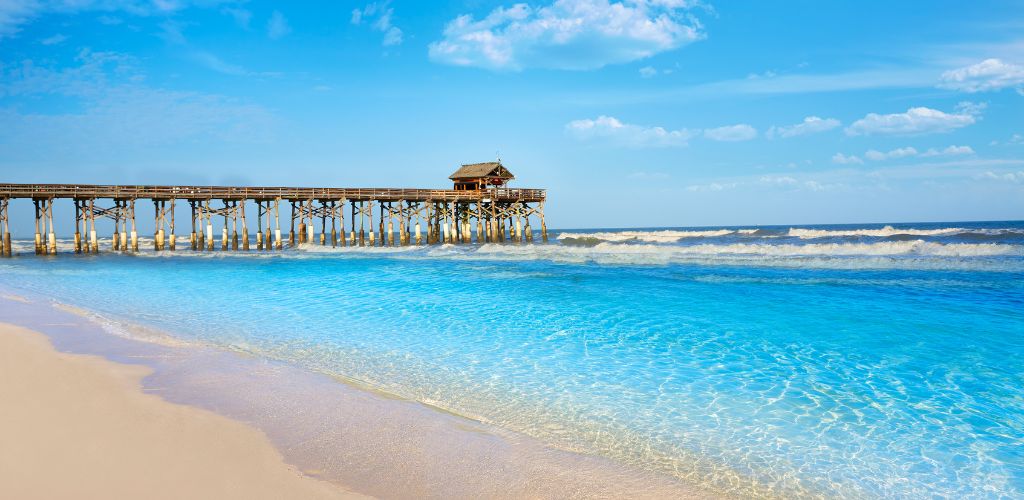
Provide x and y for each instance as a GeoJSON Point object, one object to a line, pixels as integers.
{"type": "Point", "coordinates": [852, 361]}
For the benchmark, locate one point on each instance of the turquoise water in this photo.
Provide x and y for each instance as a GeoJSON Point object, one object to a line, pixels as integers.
{"type": "Point", "coordinates": [859, 361]}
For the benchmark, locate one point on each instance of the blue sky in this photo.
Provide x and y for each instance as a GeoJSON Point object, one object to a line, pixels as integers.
{"type": "Point", "coordinates": [632, 113]}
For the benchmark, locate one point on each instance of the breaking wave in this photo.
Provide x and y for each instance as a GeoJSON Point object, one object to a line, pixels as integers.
{"type": "Point", "coordinates": [889, 231]}
{"type": "Point", "coordinates": [917, 254]}
{"type": "Point", "coordinates": [665, 236]}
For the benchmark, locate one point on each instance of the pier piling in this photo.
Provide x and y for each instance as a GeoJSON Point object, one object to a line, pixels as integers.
{"type": "Point", "coordinates": [479, 214]}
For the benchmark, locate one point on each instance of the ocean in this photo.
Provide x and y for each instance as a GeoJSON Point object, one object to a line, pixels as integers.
{"type": "Point", "coordinates": [872, 360]}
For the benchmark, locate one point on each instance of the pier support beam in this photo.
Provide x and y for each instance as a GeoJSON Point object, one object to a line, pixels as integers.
{"type": "Point", "coordinates": [171, 236]}
{"type": "Point", "coordinates": [5, 229]}
{"type": "Point", "coordinates": [259, 225]}
{"type": "Point", "coordinates": [78, 226]}
{"type": "Point", "coordinates": [193, 238]}
{"type": "Point", "coordinates": [93, 240]}
{"type": "Point", "coordinates": [543, 225]}
{"type": "Point", "coordinates": [135, 234]}
{"type": "Point", "coordinates": [245, 227]}
{"type": "Point", "coordinates": [209, 226]}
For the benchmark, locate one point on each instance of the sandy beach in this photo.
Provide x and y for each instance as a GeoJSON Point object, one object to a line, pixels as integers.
{"type": "Point", "coordinates": [76, 426]}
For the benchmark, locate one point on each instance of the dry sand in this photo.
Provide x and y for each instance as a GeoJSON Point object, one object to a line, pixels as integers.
{"type": "Point", "coordinates": [74, 426]}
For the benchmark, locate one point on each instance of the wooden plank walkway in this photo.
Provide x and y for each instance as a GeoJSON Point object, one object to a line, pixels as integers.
{"type": "Point", "coordinates": [87, 191]}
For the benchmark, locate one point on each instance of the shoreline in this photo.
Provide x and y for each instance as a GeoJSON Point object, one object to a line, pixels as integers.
{"type": "Point", "coordinates": [85, 421]}
{"type": "Point", "coordinates": [371, 442]}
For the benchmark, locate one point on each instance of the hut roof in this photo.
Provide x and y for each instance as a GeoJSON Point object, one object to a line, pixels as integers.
{"type": "Point", "coordinates": [477, 170]}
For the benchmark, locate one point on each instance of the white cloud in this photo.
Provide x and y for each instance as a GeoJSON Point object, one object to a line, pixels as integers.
{"type": "Point", "coordinates": [779, 180]}
{"type": "Point", "coordinates": [567, 34]}
{"type": "Point", "coordinates": [611, 129]}
{"type": "Point", "coordinates": [714, 186]}
{"type": "Point", "coordinates": [949, 151]}
{"type": "Point", "coordinates": [648, 72]}
{"type": "Point", "coordinates": [816, 186]}
{"type": "Point", "coordinates": [846, 160]}
{"type": "Point", "coordinates": [897, 153]}
{"type": "Point", "coordinates": [53, 40]}
{"type": "Point", "coordinates": [916, 121]}
{"type": "Point", "coordinates": [970, 108]}
{"type": "Point", "coordinates": [277, 26]}
{"type": "Point", "coordinates": [907, 152]}
{"type": "Point", "coordinates": [731, 133]}
{"type": "Point", "coordinates": [1014, 177]}
{"type": "Point", "coordinates": [810, 125]}
{"type": "Point", "coordinates": [990, 74]}
{"type": "Point", "coordinates": [380, 14]}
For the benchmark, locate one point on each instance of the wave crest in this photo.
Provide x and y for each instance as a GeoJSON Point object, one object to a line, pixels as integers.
{"type": "Point", "coordinates": [889, 231]}
{"type": "Point", "coordinates": [664, 236]}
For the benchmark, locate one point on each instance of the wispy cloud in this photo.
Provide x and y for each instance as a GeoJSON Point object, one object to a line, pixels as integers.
{"type": "Point", "coordinates": [897, 153]}
{"type": "Point", "coordinates": [215, 63]}
{"type": "Point", "coordinates": [613, 131]}
{"type": "Point", "coordinates": [842, 159]}
{"type": "Point", "coordinates": [110, 20]}
{"type": "Point", "coordinates": [805, 83]}
{"type": "Point", "coordinates": [54, 40]}
{"type": "Point", "coordinates": [173, 32]}
{"type": "Point", "coordinates": [900, 153]}
{"type": "Point", "coordinates": [731, 133]}
{"type": "Point", "coordinates": [1012, 177]}
{"type": "Point", "coordinates": [14, 14]}
{"type": "Point", "coordinates": [916, 121]}
{"type": "Point", "coordinates": [378, 15]}
{"type": "Point", "coordinates": [990, 74]}
{"type": "Point", "coordinates": [567, 34]}
{"type": "Point", "coordinates": [607, 128]}
{"type": "Point", "coordinates": [953, 172]}
{"type": "Point", "coordinates": [810, 125]}
{"type": "Point", "coordinates": [648, 72]}
{"type": "Point", "coordinates": [277, 26]}
{"type": "Point", "coordinates": [712, 186]}
{"type": "Point", "coordinates": [242, 17]}
{"type": "Point", "coordinates": [113, 109]}
{"type": "Point", "coordinates": [948, 151]}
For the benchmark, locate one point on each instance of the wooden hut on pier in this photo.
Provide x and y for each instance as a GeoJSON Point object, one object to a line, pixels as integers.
{"type": "Point", "coordinates": [477, 176]}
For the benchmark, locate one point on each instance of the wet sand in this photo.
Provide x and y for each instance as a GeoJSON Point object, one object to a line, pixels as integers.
{"type": "Point", "coordinates": [78, 426]}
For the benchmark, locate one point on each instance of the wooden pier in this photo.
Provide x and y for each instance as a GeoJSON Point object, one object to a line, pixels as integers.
{"type": "Point", "coordinates": [482, 211]}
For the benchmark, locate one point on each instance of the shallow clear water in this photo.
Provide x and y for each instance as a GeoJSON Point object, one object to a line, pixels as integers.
{"type": "Point", "coordinates": [829, 360]}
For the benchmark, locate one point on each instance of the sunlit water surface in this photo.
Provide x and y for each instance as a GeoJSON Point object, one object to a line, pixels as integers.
{"type": "Point", "coordinates": [830, 360]}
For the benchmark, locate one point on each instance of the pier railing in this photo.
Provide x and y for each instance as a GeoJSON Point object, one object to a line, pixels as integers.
{"type": "Point", "coordinates": [85, 191]}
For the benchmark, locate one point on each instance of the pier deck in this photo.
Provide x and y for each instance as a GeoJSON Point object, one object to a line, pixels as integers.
{"type": "Point", "coordinates": [84, 191]}
{"type": "Point", "coordinates": [487, 215]}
